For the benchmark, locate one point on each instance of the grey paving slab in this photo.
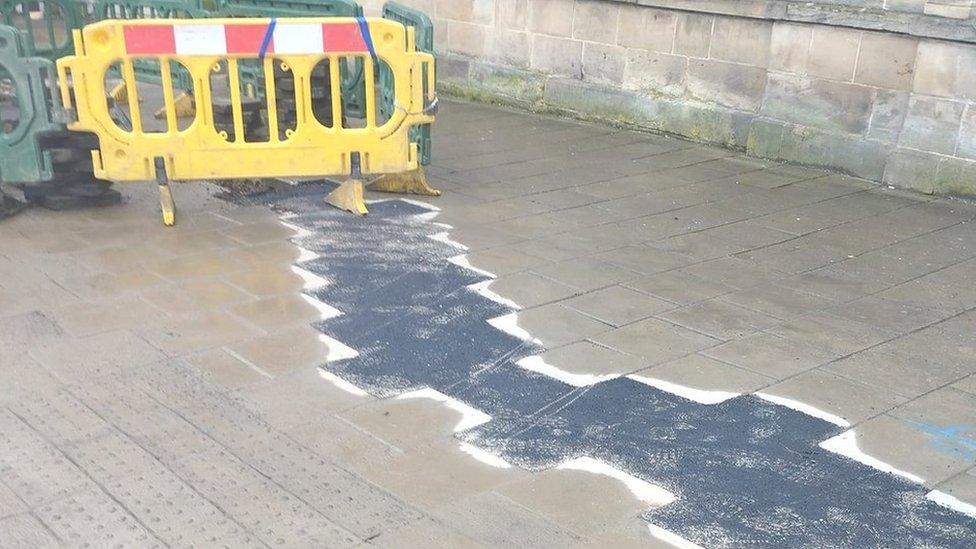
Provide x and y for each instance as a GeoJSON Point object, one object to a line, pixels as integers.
{"type": "Point", "coordinates": [909, 448]}
{"type": "Point", "coordinates": [436, 534]}
{"type": "Point", "coordinates": [556, 325]}
{"type": "Point", "coordinates": [655, 340]}
{"type": "Point", "coordinates": [618, 305]}
{"type": "Point", "coordinates": [719, 319]}
{"type": "Point", "coordinates": [679, 288]}
{"type": "Point", "coordinates": [842, 397]}
{"type": "Point", "coordinates": [278, 518]}
{"type": "Point", "coordinates": [770, 355]}
{"type": "Point", "coordinates": [701, 372]}
{"type": "Point", "coordinates": [588, 358]}
{"type": "Point", "coordinates": [531, 290]}
{"type": "Point", "coordinates": [478, 516]}
{"type": "Point", "coordinates": [92, 517]}
{"type": "Point", "coordinates": [33, 469]}
{"type": "Point", "coordinates": [24, 531]}
{"type": "Point", "coordinates": [10, 504]}
{"type": "Point", "coordinates": [780, 301]}
{"type": "Point", "coordinates": [586, 273]}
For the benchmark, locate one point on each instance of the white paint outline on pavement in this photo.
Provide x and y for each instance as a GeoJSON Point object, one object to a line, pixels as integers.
{"type": "Point", "coordinates": [509, 324]}
{"type": "Point", "coordinates": [484, 457]}
{"type": "Point", "coordinates": [700, 396]}
{"type": "Point", "coordinates": [950, 501]}
{"type": "Point", "coordinates": [342, 384]}
{"type": "Point", "coordinates": [647, 493]}
{"type": "Point", "coordinates": [484, 290]}
{"type": "Point", "coordinates": [311, 280]}
{"type": "Point", "coordinates": [463, 262]}
{"type": "Point", "coordinates": [845, 444]}
{"type": "Point", "coordinates": [539, 365]}
{"type": "Point", "coordinates": [670, 537]}
{"type": "Point", "coordinates": [470, 417]}
{"type": "Point", "coordinates": [804, 408]}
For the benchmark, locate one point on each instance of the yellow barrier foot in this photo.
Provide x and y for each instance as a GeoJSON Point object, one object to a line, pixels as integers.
{"type": "Point", "coordinates": [414, 182]}
{"type": "Point", "coordinates": [167, 205]}
{"type": "Point", "coordinates": [119, 94]}
{"type": "Point", "coordinates": [182, 104]}
{"type": "Point", "coordinates": [348, 196]}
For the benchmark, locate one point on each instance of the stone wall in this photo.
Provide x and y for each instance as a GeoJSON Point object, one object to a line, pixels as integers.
{"type": "Point", "coordinates": [884, 90]}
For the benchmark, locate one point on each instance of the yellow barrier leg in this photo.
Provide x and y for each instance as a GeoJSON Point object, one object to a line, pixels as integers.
{"type": "Point", "coordinates": [183, 105]}
{"type": "Point", "coordinates": [348, 196]}
{"type": "Point", "coordinates": [414, 182]}
{"type": "Point", "coordinates": [119, 94]}
{"type": "Point", "coordinates": [167, 205]}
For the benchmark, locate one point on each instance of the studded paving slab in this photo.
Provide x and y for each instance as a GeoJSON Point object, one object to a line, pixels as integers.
{"type": "Point", "coordinates": [165, 387]}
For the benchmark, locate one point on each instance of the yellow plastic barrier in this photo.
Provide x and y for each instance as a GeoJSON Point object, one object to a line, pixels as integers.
{"type": "Point", "coordinates": [198, 149]}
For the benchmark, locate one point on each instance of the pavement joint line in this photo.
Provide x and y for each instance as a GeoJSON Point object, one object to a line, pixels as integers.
{"type": "Point", "coordinates": [247, 362]}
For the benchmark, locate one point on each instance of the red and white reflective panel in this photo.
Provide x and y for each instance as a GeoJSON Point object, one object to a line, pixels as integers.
{"type": "Point", "coordinates": [244, 39]}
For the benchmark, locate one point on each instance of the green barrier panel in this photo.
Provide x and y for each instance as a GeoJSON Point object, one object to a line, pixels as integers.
{"type": "Point", "coordinates": [22, 159]}
{"type": "Point", "coordinates": [149, 9]}
{"type": "Point", "coordinates": [352, 74]}
{"type": "Point", "coordinates": [50, 32]}
{"type": "Point", "coordinates": [424, 35]}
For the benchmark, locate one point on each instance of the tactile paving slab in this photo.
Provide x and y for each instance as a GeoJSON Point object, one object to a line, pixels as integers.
{"type": "Point", "coordinates": [745, 472]}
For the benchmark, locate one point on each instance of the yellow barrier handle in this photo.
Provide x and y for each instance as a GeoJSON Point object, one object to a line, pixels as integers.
{"type": "Point", "coordinates": [168, 99]}
{"type": "Point", "coordinates": [271, 97]}
{"type": "Point", "coordinates": [335, 90]}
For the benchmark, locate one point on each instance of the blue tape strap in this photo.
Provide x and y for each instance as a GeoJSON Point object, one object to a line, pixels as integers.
{"type": "Point", "coordinates": [268, 34]}
{"type": "Point", "coordinates": [367, 38]}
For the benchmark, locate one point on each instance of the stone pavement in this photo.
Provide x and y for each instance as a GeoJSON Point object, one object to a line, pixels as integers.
{"type": "Point", "coordinates": [163, 385]}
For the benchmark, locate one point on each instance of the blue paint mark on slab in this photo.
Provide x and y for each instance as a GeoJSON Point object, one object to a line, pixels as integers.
{"type": "Point", "coordinates": [745, 471]}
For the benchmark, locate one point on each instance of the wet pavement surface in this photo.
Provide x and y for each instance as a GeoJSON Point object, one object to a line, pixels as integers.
{"type": "Point", "coordinates": [166, 385]}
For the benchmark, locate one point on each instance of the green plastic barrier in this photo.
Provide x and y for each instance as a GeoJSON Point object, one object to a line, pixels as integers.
{"type": "Point", "coordinates": [290, 8]}
{"type": "Point", "coordinates": [149, 9]}
{"type": "Point", "coordinates": [424, 35]}
{"type": "Point", "coordinates": [50, 35]}
{"type": "Point", "coordinates": [22, 158]}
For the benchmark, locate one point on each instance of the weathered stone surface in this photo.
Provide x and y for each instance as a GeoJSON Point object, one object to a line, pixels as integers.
{"type": "Point", "coordinates": [693, 34]}
{"type": "Point", "coordinates": [520, 86]}
{"type": "Point", "coordinates": [888, 115]}
{"type": "Point", "coordinates": [557, 56]}
{"type": "Point", "coordinates": [466, 38]}
{"type": "Point", "coordinates": [789, 47]}
{"type": "Point", "coordinates": [886, 61]}
{"type": "Point", "coordinates": [932, 125]}
{"type": "Point", "coordinates": [741, 40]}
{"type": "Point", "coordinates": [510, 47]}
{"type": "Point", "coordinates": [945, 69]}
{"type": "Point", "coordinates": [967, 134]}
{"type": "Point", "coordinates": [777, 140]}
{"type": "Point", "coordinates": [604, 63]}
{"type": "Point", "coordinates": [655, 72]}
{"type": "Point", "coordinates": [594, 100]}
{"type": "Point", "coordinates": [729, 84]}
{"type": "Point", "coordinates": [595, 20]}
{"type": "Point", "coordinates": [551, 17]}
{"type": "Point", "coordinates": [512, 14]}
{"type": "Point", "coordinates": [833, 52]}
{"type": "Point", "coordinates": [819, 103]}
{"type": "Point", "coordinates": [647, 28]}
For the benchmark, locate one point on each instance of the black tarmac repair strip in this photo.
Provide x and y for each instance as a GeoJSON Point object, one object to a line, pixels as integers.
{"type": "Point", "coordinates": [746, 472]}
